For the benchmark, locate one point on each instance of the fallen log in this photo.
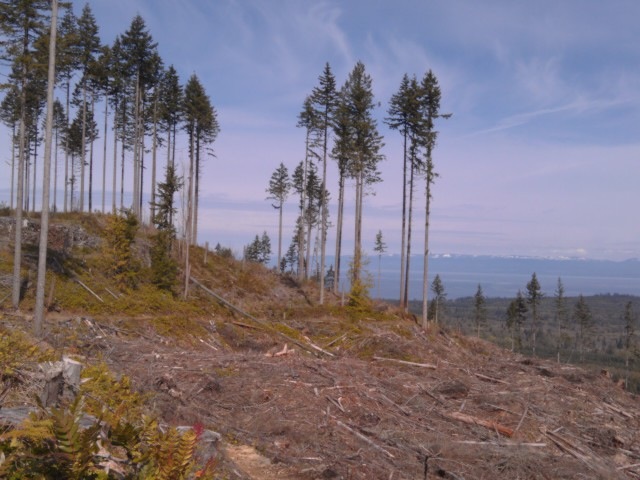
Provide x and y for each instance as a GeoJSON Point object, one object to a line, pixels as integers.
{"type": "Point", "coordinates": [490, 379]}
{"type": "Point", "coordinates": [503, 444]}
{"type": "Point", "coordinates": [88, 289]}
{"type": "Point", "coordinates": [491, 425]}
{"type": "Point", "coordinates": [317, 347]}
{"type": "Point", "coordinates": [404, 362]}
{"type": "Point", "coordinates": [617, 409]}
{"type": "Point", "coordinates": [576, 451]}
{"type": "Point", "coordinates": [366, 439]}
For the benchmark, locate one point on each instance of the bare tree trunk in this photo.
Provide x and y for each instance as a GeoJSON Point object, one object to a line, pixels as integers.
{"type": "Point", "coordinates": [66, 155]}
{"type": "Point", "coordinates": [379, 274]}
{"type": "Point", "coordinates": [13, 162]}
{"type": "Point", "coordinates": [196, 193]}
{"type": "Point", "coordinates": [123, 141]}
{"type": "Point", "coordinates": [55, 172]}
{"type": "Point", "coordinates": [169, 162]}
{"type": "Point", "coordinates": [44, 219]}
{"type": "Point", "coordinates": [25, 179]}
{"type": "Point", "coordinates": [141, 157]}
{"type": "Point", "coordinates": [357, 238]}
{"type": "Point", "coordinates": [403, 244]}
{"type": "Point", "coordinates": [280, 236]}
{"type": "Point", "coordinates": [408, 259]}
{"type": "Point", "coordinates": [84, 143]}
{"type": "Point", "coordinates": [308, 251]}
{"type": "Point", "coordinates": [104, 152]}
{"type": "Point", "coordinates": [72, 182]}
{"type": "Point", "coordinates": [188, 227]}
{"type": "Point", "coordinates": [115, 161]}
{"type": "Point", "coordinates": [173, 145]}
{"type": "Point", "coordinates": [91, 160]}
{"type": "Point", "coordinates": [154, 148]}
{"type": "Point", "coordinates": [425, 284]}
{"type": "Point", "coordinates": [302, 268]}
{"type": "Point", "coordinates": [323, 214]}
{"type": "Point", "coordinates": [17, 252]}
{"type": "Point", "coordinates": [336, 280]}
{"type": "Point", "coordinates": [136, 150]}
{"type": "Point", "coordinates": [35, 164]}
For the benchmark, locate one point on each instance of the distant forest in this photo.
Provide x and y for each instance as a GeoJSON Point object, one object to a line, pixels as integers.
{"type": "Point", "coordinates": [597, 331]}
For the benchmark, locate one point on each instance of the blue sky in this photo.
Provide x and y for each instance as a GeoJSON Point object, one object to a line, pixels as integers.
{"type": "Point", "coordinates": [541, 156]}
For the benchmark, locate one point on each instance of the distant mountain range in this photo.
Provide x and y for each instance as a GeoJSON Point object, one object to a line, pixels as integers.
{"type": "Point", "coordinates": [502, 276]}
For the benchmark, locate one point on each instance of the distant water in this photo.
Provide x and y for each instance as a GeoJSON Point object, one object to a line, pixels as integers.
{"type": "Point", "coordinates": [503, 276]}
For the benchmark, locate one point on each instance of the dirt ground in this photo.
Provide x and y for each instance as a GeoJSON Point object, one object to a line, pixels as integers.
{"type": "Point", "coordinates": [466, 410]}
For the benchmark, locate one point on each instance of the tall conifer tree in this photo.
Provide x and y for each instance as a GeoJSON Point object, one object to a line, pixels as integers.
{"type": "Point", "coordinates": [479, 309]}
{"type": "Point", "coordinates": [46, 183]}
{"type": "Point", "coordinates": [562, 317]}
{"type": "Point", "coordinates": [324, 99]}
{"type": "Point", "coordinates": [534, 297]}
{"type": "Point", "coordinates": [341, 153]}
{"type": "Point", "coordinates": [88, 47]}
{"type": "Point", "coordinates": [429, 101]}
{"type": "Point", "coordinates": [584, 322]}
{"type": "Point", "coordinates": [379, 247]}
{"type": "Point", "coordinates": [403, 114]}
{"type": "Point", "coordinates": [101, 83]}
{"type": "Point", "coordinates": [278, 190]}
{"type": "Point", "coordinates": [21, 22]}
{"type": "Point", "coordinates": [308, 120]}
{"type": "Point", "coordinates": [201, 125]}
{"type": "Point", "coordinates": [143, 65]}
{"type": "Point", "coordinates": [67, 63]}
{"type": "Point", "coordinates": [357, 99]}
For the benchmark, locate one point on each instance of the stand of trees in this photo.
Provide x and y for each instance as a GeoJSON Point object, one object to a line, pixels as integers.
{"type": "Point", "coordinates": [124, 96]}
{"type": "Point", "coordinates": [346, 116]}
{"type": "Point", "coordinates": [143, 102]}
{"type": "Point", "coordinates": [144, 106]}
{"type": "Point", "coordinates": [413, 111]}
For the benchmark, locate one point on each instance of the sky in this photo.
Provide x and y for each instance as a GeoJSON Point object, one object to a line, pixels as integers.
{"type": "Point", "coordinates": [541, 156]}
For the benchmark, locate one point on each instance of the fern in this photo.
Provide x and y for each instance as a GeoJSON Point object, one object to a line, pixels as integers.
{"type": "Point", "coordinates": [52, 444]}
{"type": "Point", "coordinates": [170, 455]}
{"type": "Point", "coordinates": [77, 446]}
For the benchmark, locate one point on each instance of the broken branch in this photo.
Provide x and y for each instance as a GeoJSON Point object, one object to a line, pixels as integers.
{"type": "Point", "coordinates": [463, 417]}
{"type": "Point", "coordinates": [490, 379]}
{"type": "Point", "coordinates": [404, 362]}
{"type": "Point", "coordinates": [362, 437]}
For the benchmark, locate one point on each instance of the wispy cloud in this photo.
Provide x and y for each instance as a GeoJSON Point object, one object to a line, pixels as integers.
{"type": "Point", "coordinates": [542, 150]}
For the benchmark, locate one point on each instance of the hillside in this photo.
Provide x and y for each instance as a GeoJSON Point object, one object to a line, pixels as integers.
{"type": "Point", "coordinates": [302, 391]}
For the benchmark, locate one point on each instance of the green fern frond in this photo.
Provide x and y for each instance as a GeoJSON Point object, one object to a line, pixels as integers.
{"type": "Point", "coordinates": [77, 446]}
{"type": "Point", "coordinates": [183, 454]}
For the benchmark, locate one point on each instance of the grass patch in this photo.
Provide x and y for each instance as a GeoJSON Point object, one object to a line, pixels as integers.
{"type": "Point", "coordinates": [108, 395]}
{"type": "Point", "coordinates": [179, 327]}
{"type": "Point", "coordinates": [16, 349]}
